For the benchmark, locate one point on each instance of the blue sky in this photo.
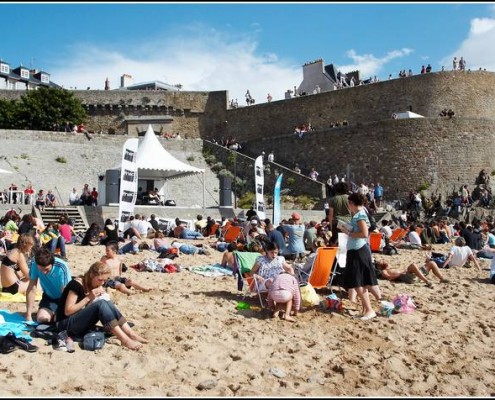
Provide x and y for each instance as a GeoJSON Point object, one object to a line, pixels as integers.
{"type": "Point", "coordinates": [240, 46]}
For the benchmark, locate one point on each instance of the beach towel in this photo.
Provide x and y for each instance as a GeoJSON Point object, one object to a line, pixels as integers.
{"type": "Point", "coordinates": [15, 323]}
{"type": "Point", "coordinates": [214, 270]}
{"type": "Point", "coordinates": [16, 298]}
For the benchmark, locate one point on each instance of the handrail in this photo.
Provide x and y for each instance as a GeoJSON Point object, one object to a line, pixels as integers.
{"type": "Point", "coordinates": [60, 197]}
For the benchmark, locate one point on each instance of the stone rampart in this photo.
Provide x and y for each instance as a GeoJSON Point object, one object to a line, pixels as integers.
{"type": "Point", "coordinates": [401, 154]}
{"type": "Point", "coordinates": [470, 94]}
{"type": "Point", "coordinates": [192, 114]}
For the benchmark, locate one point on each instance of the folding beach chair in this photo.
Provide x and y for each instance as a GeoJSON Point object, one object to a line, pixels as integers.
{"type": "Point", "coordinates": [243, 264]}
{"type": "Point", "coordinates": [214, 229]}
{"type": "Point", "coordinates": [375, 242]}
{"type": "Point", "coordinates": [398, 234]}
{"type": "Point", "coordinates": [232, 234]}
{"type": "Point", "coordinates": [322, 267]}
{"type": "Point", "coordinates": [341, 257]}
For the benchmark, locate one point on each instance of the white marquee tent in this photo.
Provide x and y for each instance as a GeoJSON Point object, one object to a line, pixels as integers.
{"type": "Point", "coordinates": [157, 164]}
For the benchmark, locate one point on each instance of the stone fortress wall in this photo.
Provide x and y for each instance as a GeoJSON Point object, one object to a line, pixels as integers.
{"type": "Point", "coordinates": [401, 154]}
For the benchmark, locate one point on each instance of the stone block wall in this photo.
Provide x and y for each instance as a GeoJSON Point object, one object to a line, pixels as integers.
{"type": "Point", "coordinates": [244, 169]}
{"type": "Point", "coordinates": [192, 114]}
{"type": "Point", "coordinates": [470, 94]}
{"type": "Point", "coordinates": [401, 154]}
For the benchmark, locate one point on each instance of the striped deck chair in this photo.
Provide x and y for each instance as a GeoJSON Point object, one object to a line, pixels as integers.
{"type": "Point", "coordinates": [398, 234]}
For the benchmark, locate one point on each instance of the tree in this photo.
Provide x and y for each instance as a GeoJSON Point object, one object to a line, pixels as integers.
{"type": "Point", "coordinates": [7, 113]}
{"type": "Point", "coordinates": [43, 108]}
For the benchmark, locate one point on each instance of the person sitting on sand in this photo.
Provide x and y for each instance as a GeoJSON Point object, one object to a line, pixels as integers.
{"type": "Point", "coordinates": [228, 256]}
{"type": "Point", "coordinates": [160, 243]}
{"type": "Point", "coordinates": [408, 275]}
{"type": "Point", "coordinates": [14, 269]}
{"type": "Point", "coordinates": [269, 266]}
{"type": "Point", "coordinates": [459, 254]}
{"type": "Point", "coordinates": [284, 296]}
{"type": "Point", "coordinates": [117, 281]}
{"type": "Point", "coordinates": [84, 303]}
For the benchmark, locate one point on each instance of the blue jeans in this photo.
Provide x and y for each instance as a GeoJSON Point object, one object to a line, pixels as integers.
{"type": "Point", "coordinates": [190, 249]}
{"type": "Point", "coordinates": [60, 243]}
{"type": "Point", "coordinates": [85, 320]}
{"type": "Point", "coordinates": [188, 234]}
{"type": "Point", "coordinates": [129, 247]}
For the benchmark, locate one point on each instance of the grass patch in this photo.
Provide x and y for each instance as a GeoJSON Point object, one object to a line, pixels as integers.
{"type": "Point", "coordinates": [61, 160]}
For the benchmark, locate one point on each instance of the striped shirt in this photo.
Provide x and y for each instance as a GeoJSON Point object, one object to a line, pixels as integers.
{"type": "Point", "coordinates": [54, 282]}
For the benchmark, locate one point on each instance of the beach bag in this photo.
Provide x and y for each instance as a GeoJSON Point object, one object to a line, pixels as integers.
{"type": "Point", "coordinates": [389, 250]}
{"type": "Point", "coordinates": [93, 340]}
{"type": "Point", "coordinates": [403, 303]}
{"type": "Point", "coordinates": [309, 297]}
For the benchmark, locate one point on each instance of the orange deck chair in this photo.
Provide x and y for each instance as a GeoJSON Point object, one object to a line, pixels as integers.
{"type": "Point", "coordinates": [398, 234]}
{"type": "Point", "coordinates": [322, 267]}
{"type": "Point", "coordinates": [375, 242]}
{"type": "Point", "coordinates": [232, 234]}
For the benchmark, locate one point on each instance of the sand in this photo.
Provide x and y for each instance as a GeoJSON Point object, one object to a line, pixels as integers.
{"type": "Point", "coordinates": [200, 345]}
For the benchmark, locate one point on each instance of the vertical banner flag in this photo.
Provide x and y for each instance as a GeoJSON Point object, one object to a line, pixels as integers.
{"type": "Point", "coordinates": [259, 181]}
{"type": "Point", "coordinates": [276, 201]}
{"type": "Point", "coordinates": [128, 181]}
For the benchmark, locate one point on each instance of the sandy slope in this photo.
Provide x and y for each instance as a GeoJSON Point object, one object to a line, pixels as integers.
{"type": "Point", "coordinates": [444, 348]}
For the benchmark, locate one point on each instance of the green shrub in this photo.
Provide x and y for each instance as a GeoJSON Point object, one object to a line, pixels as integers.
{"type": "Point", "coordinates": [226, 172]}
{"type": "Point", "coordinates": [210, 159]}
{"type": "Point", "coordinates": [290, 181]}
{"type": "Point", "coordinates": [25, 156]}
{"type": "Point", "coordinates": [424, 186]}
{"type": "Point", "coordinates": [305, 202]}
{"type": "Point", "coordinates": [217, 167]}
{"type": "Point", "coordinates": [61, 160]}
{"type": "Point", "coordinates": [190, 158]}
{"type": "Point", "coordinates": [247, 200]}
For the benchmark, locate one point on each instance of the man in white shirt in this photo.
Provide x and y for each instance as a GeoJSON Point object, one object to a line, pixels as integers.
{"type": "Point", "coordinates": [74, 198]}
{"type": "Point", "coordinates": [385, 229]}
{"type": "Point", "coordinates": [143, 227]}
{"type": "Point", "coordinates": [271, 157]}
{"type": "Point", "coordinates": [459, 254]}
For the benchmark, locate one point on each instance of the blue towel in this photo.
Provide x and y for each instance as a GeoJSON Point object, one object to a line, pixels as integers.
{"type": "Point", "coordinates": [15, 323]}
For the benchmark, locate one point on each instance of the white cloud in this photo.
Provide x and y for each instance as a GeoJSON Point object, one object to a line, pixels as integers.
{"type": "Point", "coordinates": [368, 64]}
{"type": "Point", "coordinates": [477, 47]}
{"type": "Point", "coordinates": [200, 58]}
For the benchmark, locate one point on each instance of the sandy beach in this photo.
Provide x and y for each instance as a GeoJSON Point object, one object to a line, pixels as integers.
{"type": "Point", "coordinates": [201, 345]}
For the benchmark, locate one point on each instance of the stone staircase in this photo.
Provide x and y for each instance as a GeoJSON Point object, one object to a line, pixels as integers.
{"type": "Point", "coordinates": [76, 213]}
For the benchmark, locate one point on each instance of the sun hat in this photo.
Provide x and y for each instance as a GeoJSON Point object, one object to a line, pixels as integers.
{"type": "Point", "coordinates": [296, 215]}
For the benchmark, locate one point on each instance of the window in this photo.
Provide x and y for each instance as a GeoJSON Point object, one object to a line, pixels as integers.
{"type": "Point", "coordinates": [4, 68]}
{"type": "Point", "coordinates": [45, 78]}
{"type": "Point", "coordinates": [12, 85]}
{"type": "Point", "coordinates": [24, 73]}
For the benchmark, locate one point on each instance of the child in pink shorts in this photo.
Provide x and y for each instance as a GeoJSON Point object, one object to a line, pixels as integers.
{"type": "Point", "coordinates": [284, 294]}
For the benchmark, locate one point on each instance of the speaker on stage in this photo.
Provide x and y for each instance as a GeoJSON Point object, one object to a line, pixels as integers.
{"type": "Point", "coordinates": [225, 197]}
{"type": "Point", "coordinates": [112, 186]}
{"type": "Point", "coordinates": [225, 182]}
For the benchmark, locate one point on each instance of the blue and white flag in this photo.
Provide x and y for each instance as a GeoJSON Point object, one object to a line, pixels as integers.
{"type": "Point", "coordinates": [276, 201]}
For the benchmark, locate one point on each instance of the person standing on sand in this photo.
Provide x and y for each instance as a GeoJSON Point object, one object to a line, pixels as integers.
{"type": "Point", "coordinates": [359, 273]}
{"type": "Point", "coordinates": [85, 302]}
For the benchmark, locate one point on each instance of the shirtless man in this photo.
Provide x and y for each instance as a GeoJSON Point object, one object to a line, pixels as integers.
{"type": "Point", "coordinates": [118, 282]}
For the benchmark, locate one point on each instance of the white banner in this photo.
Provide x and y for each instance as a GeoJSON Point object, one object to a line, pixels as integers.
{"type": "Point", "coordinates": [128, 181]}
{"type": "Point", "coordinates": [259, 182]}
